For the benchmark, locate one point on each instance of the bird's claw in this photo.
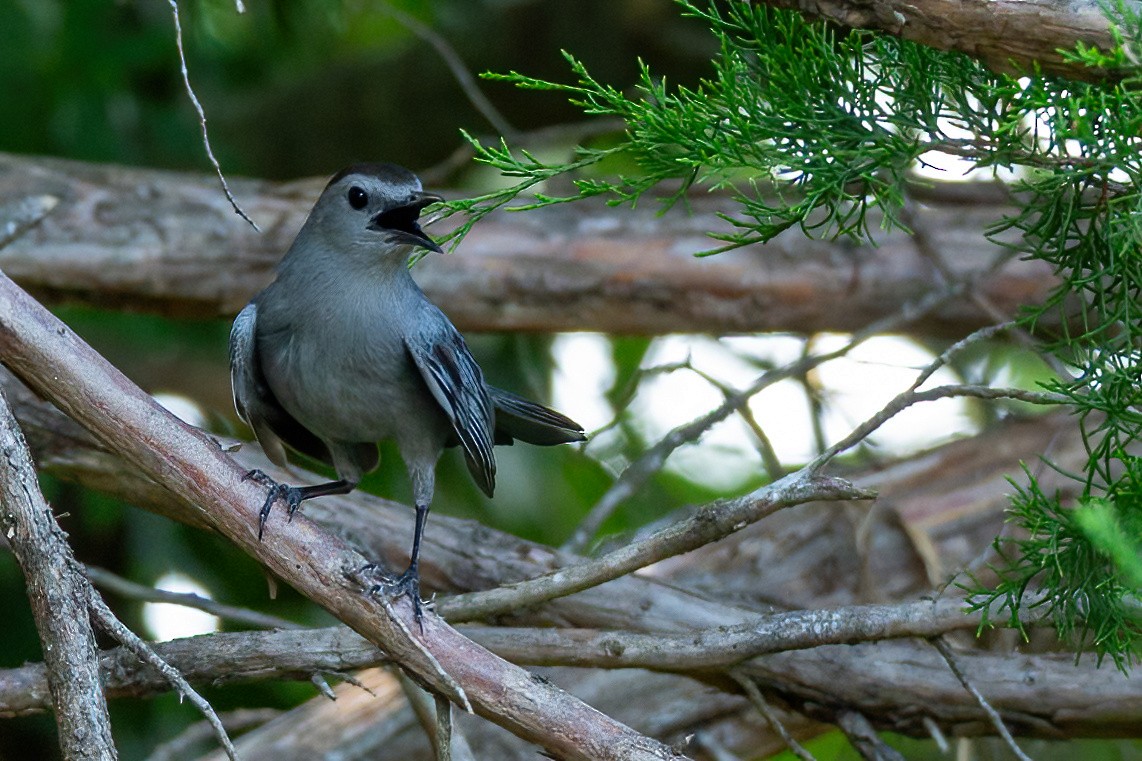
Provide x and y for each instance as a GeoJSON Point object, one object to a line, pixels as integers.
{"type": "Point", "coordinates": [291, 495]}
{"type": "Point", "coordinates": [408, 583]}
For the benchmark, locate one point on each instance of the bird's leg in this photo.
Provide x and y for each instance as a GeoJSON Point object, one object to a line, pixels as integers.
{"type": "Point", "coordinates": [408, 583]}
{"type": "Point", "coordinates": [292, 495]}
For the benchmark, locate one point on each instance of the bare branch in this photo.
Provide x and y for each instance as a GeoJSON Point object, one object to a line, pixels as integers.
{"type": "Point", "coordinates": [294, 654]}
{"type": "Point", "coordinates": [911, 397]}
{"type": "Point", "coordinates": [760, 703]}
{"type": "Point", "coordinates": [114, 583]}
{"type": "Point", "coordinates": [710, 524]}
{"type": "Point", "coordinates": [1010, 36]}
{"type": "Point", "coordinates": [55, 362]}
{"type": "Point", "coordinates": [864, 738]}
{"type": "Point", "coordinates": [58, 595]}
{"type": "Point", "coordinates": [162, 241]}
{"type": "Point", "coordinates": [202, 114]}
{"type": "Point", "coordinates": [107, 621]}
{"type": "Point", "coordinates": [996, 720]}
{"type": "Point", "coordinates": [434, 715]}
{"type": "Point", "coordinates": [724, 647]}
{"type": "Point", "coordinates": [456, 65]}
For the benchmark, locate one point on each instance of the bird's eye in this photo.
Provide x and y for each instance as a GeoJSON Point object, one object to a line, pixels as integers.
{"type": "Point", "coordinates": [358, 198]}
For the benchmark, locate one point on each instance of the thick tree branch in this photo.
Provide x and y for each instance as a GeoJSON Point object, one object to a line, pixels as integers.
{"type": "Point", "coordinates": [1009, 36]}
{"type": "Point", "coordinates": [241, 656]}
{"type": "Point", "coordinates": [168, 242]}
{"type": "Point", "coordinates": [58, 594]}
{"type": "Point", "coordinates": [1035, 694]}
{"type": "Point", "coordinates": [952, 497]}
{"type": "Point", "coordinates": [54, 362]}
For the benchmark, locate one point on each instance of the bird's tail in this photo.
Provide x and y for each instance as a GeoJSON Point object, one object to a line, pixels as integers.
{"type": "Point", "coordinates": [519, 418]}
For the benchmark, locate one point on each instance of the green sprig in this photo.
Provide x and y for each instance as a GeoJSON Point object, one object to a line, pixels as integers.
{"type": "Point", "coordinates": [814, 129]}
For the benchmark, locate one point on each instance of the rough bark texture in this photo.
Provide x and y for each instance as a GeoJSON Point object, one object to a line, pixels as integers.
{"type": "Point", "coordinates": [58, 595]}
{"type": "Point", "coordinates": [168, 242]}
{"type": "Point", "coordinates": [936, 514]}
{"type": "Point", "coordinates": [1009, 36]}
{"type": "Point", "coordinates": [57, 364]}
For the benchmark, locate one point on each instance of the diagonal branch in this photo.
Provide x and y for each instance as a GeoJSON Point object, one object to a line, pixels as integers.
{"type": "Point", "coordinates": [107, 621]}
{"type": "Point", "coordinates": [945, 651]}
{"type": "Point", "coordinates": [713, 522]}
{"type": "Point", "coordinates": [52, 360]}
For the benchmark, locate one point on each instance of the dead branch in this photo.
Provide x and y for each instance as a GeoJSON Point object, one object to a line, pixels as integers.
{"type": "Point", "coordinates": [229, 657]}
{"type": "Point", "coordinates": [109, 623]}
{"type": "Point", "coordinates": [168, 242]}
{"type": "Point", "coordinates": [58, 595]}
{"type": "Point", "coordinates": [1010, 36]}
{"type": "Point", "coordinates": [934, 500]}
{"type": "Point", "coordinates": [715, 521]}
{"type": "Point", "coordinates": [1034, 694]}
{"type": "Point", "coordinates": [57, 364]}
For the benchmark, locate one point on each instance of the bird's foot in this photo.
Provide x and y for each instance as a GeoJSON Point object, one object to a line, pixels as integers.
{"type": "Point", "coordinates": [291, 495]}
{"type": "Point", "coordinates": [408, 583]}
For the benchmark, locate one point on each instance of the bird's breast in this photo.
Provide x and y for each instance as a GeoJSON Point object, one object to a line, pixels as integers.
{"type": "Point", "coordinates": [347, 376]}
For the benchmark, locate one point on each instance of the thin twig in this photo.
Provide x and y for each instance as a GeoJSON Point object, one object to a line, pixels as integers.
{"type": "Point", "coordinates": [814, 396]}
{"type": "Point", "coordinates": [184, 744]}
{"type": "Point", "coordinates": [983, 334]}
{"type": "Point", "coordinates": [202, 114]}
{"type": "Point", "coordinates": [763, 707]}
{"type": "Point", "coordinates": [456, 65]}
{"type": "Point", "coordinates": [864, 738]}
{"type": "Point", "coordinates": [107, 621]}
{"type": "Point", "coordinates": [317, 679]}
{"type": "Point", "coordinates": [718, 520]}
{"type": "Point", "coordinates": [723, 647]}
{"type": "Point", "coordinates": [927, 248]}
{"type": "Point", "coordinates": [911, 397]}
{"type": "Point", "coordinates": [769, 459]}
{"type": "Point", "coordinates": [443, 728]}
{"type": "Point", "coordinates": [936, 734]}
{"type": "Point", "coordinates": [651, 461]}
{"type": "Point", "coordinates": [996, 720]}
{"type": "Point", "coordinates": [125, 587]}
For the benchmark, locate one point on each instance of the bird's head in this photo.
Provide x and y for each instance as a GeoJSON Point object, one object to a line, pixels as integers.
{"type": "Point", "coordinates": [373, 204]}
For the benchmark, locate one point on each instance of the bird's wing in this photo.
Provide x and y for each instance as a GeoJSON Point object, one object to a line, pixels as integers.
{"type": "Point", "coordinates": [256, 403]}
{"type": "Point", "coordinates": [457, 385]}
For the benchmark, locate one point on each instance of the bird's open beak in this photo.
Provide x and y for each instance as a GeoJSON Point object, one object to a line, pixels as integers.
{"type": "Point", "coordinates": [402, 222]}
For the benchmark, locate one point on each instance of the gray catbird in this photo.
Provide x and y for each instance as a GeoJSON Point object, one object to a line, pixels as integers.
{"type": "Point", "coordinates": [344, 350]}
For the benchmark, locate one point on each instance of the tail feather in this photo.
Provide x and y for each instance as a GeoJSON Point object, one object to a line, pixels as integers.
{"type": "Point", "coordinates": [519, 418]}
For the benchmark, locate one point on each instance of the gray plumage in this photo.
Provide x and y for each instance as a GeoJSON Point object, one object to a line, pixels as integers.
{"type": "Point", "coordinates": [344, 350]}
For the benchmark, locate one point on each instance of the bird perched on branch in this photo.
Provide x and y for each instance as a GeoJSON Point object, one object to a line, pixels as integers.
{"type": "Point", "coordinates": [344, 350]}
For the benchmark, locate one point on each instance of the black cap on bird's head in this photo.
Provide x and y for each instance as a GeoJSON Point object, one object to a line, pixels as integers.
{"type": "Point", "coordinates": [387, 197]}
